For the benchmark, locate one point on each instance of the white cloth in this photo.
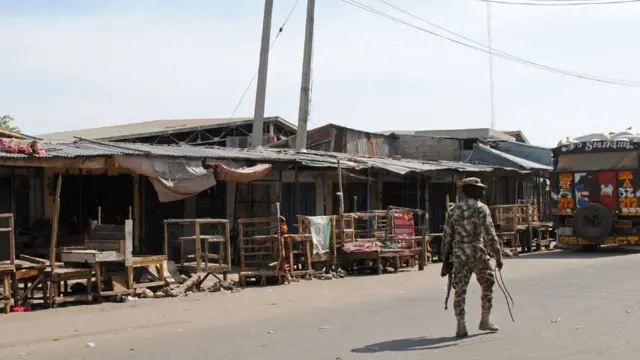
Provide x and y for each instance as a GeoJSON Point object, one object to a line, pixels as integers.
{"type": "Point", "coordinates": [320, 233]}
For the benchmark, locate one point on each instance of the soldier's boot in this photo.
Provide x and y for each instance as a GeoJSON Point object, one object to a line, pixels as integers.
{"type": "Point", "coordinates": [461, 329]}
{"type": "Point", "coordinates": [486, 324]}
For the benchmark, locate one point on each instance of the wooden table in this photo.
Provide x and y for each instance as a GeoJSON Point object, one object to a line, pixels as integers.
{"type": "Point", "coordinates": [99, 259]}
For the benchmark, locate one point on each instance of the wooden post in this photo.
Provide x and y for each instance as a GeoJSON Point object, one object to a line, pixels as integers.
{"type": "Point", "coordinates": [423, 240]}
{"type": "Point", "coordinates": [341, 212]}
{"type": "Point", "coordinates": [12, 242]}
{"type": "Point", "coordinates": [228, 243]}
{"type": "Point", "coordinates": [197, 244]}
{"type": "Point", "coordinates": [55, 225]}
{"type": "Point", "coordinates": [137, 201]}
{"type": "Point", "coordinates": [296, 196]}
{"type": "Point", "coordinates": [530, 228]}
{"type": "Point", "coordinates": [166, 240]}
{"type": "Point", "coordinates": [128, 242]}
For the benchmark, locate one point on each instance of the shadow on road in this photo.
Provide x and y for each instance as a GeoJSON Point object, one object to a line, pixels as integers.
{"type": "Point", "coordinates": [412, 344]}
{"type": "Point", "coordinates": [603, 252]}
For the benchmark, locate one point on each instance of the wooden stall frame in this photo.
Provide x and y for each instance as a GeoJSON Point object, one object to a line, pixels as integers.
{"type": "Point", "coordinates": [208, 269]}
{"type": "Point", "coordinates": [383, 233]}
{"type": "Point", "coordinates": [519, 219]}
{"type": "Point", "coordinates": [261, 273]}
{"type": "Point", "coordinates": [305, 238]}
{"type": "Point", "coordinates": [8, 269]}
{"type": "Point", "coordinates": [51, 287]}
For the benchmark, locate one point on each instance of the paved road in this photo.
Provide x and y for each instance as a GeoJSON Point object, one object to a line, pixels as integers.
{"type": "Point", "coordinates": [568, 306]}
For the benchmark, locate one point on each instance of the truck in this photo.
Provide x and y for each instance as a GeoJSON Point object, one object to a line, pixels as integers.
{"type": "Point", "coordinates": [595, 191]}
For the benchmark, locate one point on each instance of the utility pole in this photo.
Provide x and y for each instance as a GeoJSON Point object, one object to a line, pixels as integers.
{"type": "Point", "coordinates": [491, 81]}
{"type": "Point", "coordinates": [261, 91]}
{"type": "Point", "coordinates": [305, 86]}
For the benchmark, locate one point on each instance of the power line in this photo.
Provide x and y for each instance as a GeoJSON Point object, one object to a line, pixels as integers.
{"type": "Point", "coordinates": [560, 2]}
{"type": "Point", "coordinates": [489, 49]}
{"type": "Point", "coordinates": [273, 43]}
{"type": "Point", "coordinates": [566, 1]}
{"type": "Point", "coordinates": [483, 48]}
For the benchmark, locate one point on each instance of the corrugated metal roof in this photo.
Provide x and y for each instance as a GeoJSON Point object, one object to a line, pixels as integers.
{"type": "Point", "coordinates": [310, 158]}
{"type": "Point", "coordinates": [537, 154]}
{"type": "Point", "coordinates": [154, 128]}
{"type": "Point", "coordinates": [486, 155]}
{"type": "Point", "coordinates": [13, 134]}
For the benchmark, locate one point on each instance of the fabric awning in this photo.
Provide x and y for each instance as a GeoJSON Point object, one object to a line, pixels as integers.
{"type": "Point", "coordinates": [228, 171]}
{"type": "Point", "coordinates": [173, 179]}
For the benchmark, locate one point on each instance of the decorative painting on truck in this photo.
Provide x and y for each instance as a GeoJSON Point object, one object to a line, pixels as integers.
{"type": "Point", "coordinates": [628, 193]}
{"type": "Point", "coordinates": [565, 193]}
{"type": "Point", "coordinates": [607, 184]}
{"type": "Point", "coordinates": [583, 186]}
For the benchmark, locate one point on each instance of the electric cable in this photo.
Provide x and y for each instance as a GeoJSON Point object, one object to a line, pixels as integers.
{"type": "Point", "coordinates": [483, 48]}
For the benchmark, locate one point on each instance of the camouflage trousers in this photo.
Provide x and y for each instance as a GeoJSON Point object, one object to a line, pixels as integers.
{"type": "Point", "coordinates": [460, 282]}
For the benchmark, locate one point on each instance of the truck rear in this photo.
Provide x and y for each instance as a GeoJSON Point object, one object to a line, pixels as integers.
{"type": "Point", "coordinates": [595, 187]}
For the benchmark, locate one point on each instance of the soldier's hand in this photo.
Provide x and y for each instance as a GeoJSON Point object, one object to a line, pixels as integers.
{"type": "Point", "coordinates": [499, 263]}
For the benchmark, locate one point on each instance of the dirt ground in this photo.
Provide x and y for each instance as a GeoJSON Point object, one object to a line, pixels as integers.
{"type": "Point", "coordinates": [567, 306]}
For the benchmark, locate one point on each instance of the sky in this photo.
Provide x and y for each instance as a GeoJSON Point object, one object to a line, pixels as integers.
{"type": "Point", "coordinates": [73, 64]}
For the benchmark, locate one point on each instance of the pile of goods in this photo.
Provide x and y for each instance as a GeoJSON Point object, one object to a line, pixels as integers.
{"type": "Point", "coordinates": [13, 146]}
{"type": "Point", "coordinates": [626, 135]}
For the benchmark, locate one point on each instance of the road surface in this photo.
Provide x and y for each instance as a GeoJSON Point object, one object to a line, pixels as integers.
{"type": "Point", "coordinates": [568, 306]}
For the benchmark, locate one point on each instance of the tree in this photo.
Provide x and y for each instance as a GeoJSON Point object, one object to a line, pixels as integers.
{"type": "Point", "coordinates": [6, 123]}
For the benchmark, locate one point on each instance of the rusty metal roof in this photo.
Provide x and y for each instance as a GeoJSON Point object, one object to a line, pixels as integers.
{"type": "Point", "coordinates": [154, 128]}
{"type": "Point", "coordinates": [310, 158]}
{"type": "Point", "coordinates": [14, 134]}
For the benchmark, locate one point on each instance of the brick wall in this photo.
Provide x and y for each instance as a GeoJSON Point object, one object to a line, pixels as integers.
{"type": "Point", "coordinates": [426, 147]}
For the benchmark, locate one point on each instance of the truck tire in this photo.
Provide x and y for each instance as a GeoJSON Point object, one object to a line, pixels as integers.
{"type": "Point", "coordinates": [592, 221]}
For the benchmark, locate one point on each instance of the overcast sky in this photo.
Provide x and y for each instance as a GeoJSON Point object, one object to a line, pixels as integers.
{"type": "Point", "coordinates": [75, 64]}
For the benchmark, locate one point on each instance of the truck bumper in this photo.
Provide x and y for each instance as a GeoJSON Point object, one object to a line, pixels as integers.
{"type": "Point", "coordinates": [568, 241]}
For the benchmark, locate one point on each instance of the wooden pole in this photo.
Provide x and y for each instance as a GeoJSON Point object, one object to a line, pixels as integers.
{"type": "Point", "coordinates": [166, 240]}
{"type": "Point", "coordinates": [423, 239]}
{"type": "Point", "coordinates": [54, 226]}
{"type": "Point", "coordinates": [341, 213]}
{"type": "Point", "coordinates": [296, 196]}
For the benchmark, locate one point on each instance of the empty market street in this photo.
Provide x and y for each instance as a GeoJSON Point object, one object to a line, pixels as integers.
{"type": "Point", "coordinates": [568, 306]}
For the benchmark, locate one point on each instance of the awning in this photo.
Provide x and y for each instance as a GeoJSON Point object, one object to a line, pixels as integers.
{"type": "Point", "coordinates": [173, 179]}
{"type": "Point", "coordinates": [229, 171]}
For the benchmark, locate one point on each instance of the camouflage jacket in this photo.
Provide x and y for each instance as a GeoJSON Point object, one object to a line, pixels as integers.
{"type": "Point", "coordinates": [471, 230]}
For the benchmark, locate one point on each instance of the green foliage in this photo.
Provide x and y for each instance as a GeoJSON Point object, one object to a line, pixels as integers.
{"type": "Point", "coordinates": [6, 123]}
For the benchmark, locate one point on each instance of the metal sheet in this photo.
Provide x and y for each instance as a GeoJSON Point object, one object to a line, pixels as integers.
{"type": "Point", "coordinates": [83, 150]}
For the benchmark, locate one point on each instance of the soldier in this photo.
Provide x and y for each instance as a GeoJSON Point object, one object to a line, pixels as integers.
{"type": "Point", "coordinates": [469, 241]}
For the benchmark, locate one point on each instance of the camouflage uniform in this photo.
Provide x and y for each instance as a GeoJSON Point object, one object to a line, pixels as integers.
{"type": "Point", "coordinates": [471, 230]}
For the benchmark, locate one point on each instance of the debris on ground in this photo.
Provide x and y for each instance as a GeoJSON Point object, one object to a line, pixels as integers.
{"type": "Point", "coordinates": [340, 274]}
{"type": "Point", "coordinates": [224, 286]}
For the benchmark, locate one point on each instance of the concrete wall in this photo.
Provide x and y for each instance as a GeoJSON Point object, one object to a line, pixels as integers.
{"type": "Point", "coordinates": [426, 147]}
